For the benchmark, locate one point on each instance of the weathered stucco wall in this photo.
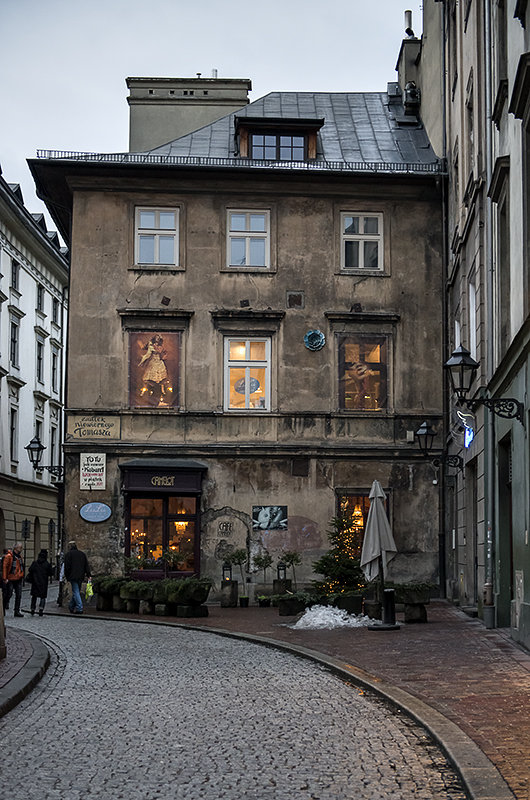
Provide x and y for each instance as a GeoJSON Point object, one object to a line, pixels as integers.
{"type": "Point", "coordinates": [248, 454]}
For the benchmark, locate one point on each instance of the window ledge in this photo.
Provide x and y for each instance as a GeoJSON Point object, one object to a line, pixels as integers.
{"type": "Point", "coordinates": [362, 316]}
{"type": "Point", "coordinates": [253, 270]}
{"type": "Point", "coordinates": [372, 273]}
{"type": "Point", "coordinates": [154, 268]}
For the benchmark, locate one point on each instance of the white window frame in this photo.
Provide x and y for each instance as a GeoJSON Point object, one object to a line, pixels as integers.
{"type": "Point", "coordinates": [247, 364]}
{"type": "Point", "coordinates": [248, 235]}
{"type": "Point", "coordinates": [40, 350]}
{"type": "Point", "coordinates": [156, 232]}
{"type": "Point", "coordinates": [361, 238]}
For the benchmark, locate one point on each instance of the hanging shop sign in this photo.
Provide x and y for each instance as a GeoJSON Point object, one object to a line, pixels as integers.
{"type": "Point", "coordinates": [95, 512]}
{"type": "Point", "coordinates": [92, 471]}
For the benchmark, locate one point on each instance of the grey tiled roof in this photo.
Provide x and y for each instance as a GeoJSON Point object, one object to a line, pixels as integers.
{"type": "Point", "coordinates": [359, 127]}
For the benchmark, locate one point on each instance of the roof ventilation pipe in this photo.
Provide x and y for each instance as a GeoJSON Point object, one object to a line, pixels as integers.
{"type": "Point", "coordinates": [408, 23]}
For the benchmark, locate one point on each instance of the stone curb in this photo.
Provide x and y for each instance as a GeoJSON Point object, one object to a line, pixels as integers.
{"type": "Point", "coordinates": [26, 678]}
{"type": "Point", "coordinates": [479, 775]}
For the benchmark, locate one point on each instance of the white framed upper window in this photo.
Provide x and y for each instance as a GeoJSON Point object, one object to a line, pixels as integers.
{"type": "Point", "coordinates": [361, 241]}
{"type": "Point", "coordinates": [247, 373]}
{"type": "Point", "coordinates": [248, 241]}
{"type": "Point", "coordinates": [157, 236]}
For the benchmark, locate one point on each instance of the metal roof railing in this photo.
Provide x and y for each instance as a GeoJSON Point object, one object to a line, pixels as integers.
{"type": "Point", "coordinates": [388, 167]}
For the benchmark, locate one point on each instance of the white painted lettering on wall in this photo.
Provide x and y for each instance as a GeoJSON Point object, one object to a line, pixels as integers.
{"type": "Point", "coordinates": [92, 470]}
{"type": "Point", "coordinates": [93, 427]}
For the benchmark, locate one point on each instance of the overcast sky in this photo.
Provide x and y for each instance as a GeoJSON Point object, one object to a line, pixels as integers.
{"type": "Point", "coordinates": [63, 63]}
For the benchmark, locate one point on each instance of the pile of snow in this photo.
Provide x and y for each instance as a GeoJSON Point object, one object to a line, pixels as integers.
{"type": "Point", "coordinates": [328, 617]}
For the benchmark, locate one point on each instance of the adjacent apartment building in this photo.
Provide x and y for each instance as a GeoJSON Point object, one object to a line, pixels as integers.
{"type": "Point", "coordinates": [256, 330]}
{"type": "Point", "coordinates": [477, 113]}
{"type": "Point", "coordinates": [33, 306]}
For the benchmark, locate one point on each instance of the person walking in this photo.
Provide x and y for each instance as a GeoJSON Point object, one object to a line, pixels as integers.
{"type": "Point", "coordinates": [12, 577]}
{"type": "Point", "coordinates": [39, 575]}
{"type": "Point", "coordinates": [75, 568]}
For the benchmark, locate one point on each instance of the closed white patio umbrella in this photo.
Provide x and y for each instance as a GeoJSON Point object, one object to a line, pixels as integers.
{"type": "Point", "coordinates": [379, 548]}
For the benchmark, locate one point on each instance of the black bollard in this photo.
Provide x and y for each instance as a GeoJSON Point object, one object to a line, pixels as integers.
{"type": "Point", "coordinates": [389, 607]}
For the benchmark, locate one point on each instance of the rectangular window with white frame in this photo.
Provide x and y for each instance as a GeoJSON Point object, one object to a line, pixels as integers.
{"type": "Point", "coordinates": [13, 433]}
{"type": "Point", "coordinates": [247, 374]}
{"type": "Point", "coordinates": [361, 241]}
{"type": "Point", "coordinates": [55, 369]}
{"type": "Point", "coordinates": [472, 320]}
{"type": "Point", "coordinates": [248, 242]}
{"type": "Point", "coordinates": [14, 341]}
{"type": "Point", "coordinates": [40, 359]}
{"type": "Point", "coordinates": [157, 237]}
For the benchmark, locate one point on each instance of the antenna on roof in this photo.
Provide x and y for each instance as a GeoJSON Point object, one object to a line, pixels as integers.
{"type": "Point", "coordinates": [408, 23]}
{"type": "Point", "coordinates": [214, 73]}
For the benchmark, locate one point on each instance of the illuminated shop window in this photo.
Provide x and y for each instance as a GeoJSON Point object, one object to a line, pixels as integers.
{"type": "Point", "coordinates": [355, 507]}
{"type": "Point", "coordinates": [163, 533]}
{"type": "Point", "coordinates": [363, 372]}
{"type": "Point", "coordinates": [247, 374]}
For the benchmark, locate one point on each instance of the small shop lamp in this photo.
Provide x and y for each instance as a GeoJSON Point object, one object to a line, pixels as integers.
{"type": "Point", "coordinates": [425, 436]}
{"type": "Point", "coordinates": [227, 571]}
{"type": "Point", "coordinates": [282, 571]}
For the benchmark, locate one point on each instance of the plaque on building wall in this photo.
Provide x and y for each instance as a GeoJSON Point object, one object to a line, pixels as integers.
{"type": "Point", "coordinates": [91, 426]}
{"type": "Point", "coordinates": [92, 470]}
{"type": "Point", "coordinates": [95, 512]}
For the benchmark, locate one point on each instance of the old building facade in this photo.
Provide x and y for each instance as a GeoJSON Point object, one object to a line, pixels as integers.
{"type": "Point", "coordinates": [33, 307]}
{"type": "Point", "coordinates": [256, 334]}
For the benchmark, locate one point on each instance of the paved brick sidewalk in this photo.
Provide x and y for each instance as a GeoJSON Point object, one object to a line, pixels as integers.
{"type": "Point", "coordinates": [477, 678]}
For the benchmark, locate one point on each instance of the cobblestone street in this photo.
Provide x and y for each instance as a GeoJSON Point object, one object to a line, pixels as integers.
{"type": "Point", "coordinates": [146, 711]}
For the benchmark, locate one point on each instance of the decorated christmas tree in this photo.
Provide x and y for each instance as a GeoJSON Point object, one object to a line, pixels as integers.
{"type": "Point", "coordinates": [341, 564]}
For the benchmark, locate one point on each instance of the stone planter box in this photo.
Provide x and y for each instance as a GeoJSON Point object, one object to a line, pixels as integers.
{"type": "Point", "coordinates": [353, 604]}
{"type": "Point", "coordinates": [118, 604]}
{"type": "Point", "coordinates": [373, 609]}
{"type": "Point", "coordinates": [290, 608]}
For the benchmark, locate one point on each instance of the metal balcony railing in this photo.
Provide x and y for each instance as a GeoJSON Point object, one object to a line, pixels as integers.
{"type": "Point", "coordinates": [387, 167]}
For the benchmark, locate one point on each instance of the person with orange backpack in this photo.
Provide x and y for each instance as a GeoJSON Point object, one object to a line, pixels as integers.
{"type": "Point", "coordinates": [12, 577]}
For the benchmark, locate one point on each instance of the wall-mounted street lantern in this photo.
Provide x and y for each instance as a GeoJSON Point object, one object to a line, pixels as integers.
{"type": "Point", "coordinates": [227, 571]}
{"type": "Point", "coordinates": [462, 368]}
{"type": "Point", "coordinates": [425, 437]}
{"type": "Point", "coordinates": [282, 571]}
{"type": "Point", "coordinates": [35, 450]}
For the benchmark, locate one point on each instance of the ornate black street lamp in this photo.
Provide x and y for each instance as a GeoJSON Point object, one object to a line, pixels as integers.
{"type": "Point", "coordinates": [462, 368]}
{"type": "Point", "coordinates": [35, 450]}
{"type": "Point", "coordinates": [425, 437]}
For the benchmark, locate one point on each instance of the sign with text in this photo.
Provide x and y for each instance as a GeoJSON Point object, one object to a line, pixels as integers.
{"type": "Point", "coordinates": [92, 470]}
{"type": "Point", "coordinates": [91, 426]}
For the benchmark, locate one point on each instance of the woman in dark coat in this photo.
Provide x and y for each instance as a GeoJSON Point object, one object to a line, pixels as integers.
{"type": "Point", "coordinates": [39, 575]}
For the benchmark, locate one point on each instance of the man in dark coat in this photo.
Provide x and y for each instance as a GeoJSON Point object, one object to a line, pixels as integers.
{"type": "Point", "coordinates": [39, 575]}
{"type": "Point", "coordinates": [75, 568]}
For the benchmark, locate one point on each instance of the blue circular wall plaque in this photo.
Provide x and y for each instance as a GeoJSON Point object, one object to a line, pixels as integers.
{"type": "Point", "coordinates": [95, 512]}
{"type": "Point", "coordinates": [314, 340]}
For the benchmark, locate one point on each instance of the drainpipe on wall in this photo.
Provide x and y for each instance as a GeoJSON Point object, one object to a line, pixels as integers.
{"type": "Point", "coordinates": [489, 432]}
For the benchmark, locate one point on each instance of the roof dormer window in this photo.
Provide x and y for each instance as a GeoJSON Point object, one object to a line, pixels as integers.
{"type": "Point", "coordinates": [277, 139]}
{"type": "Point", "coordinates": [278, 146]}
